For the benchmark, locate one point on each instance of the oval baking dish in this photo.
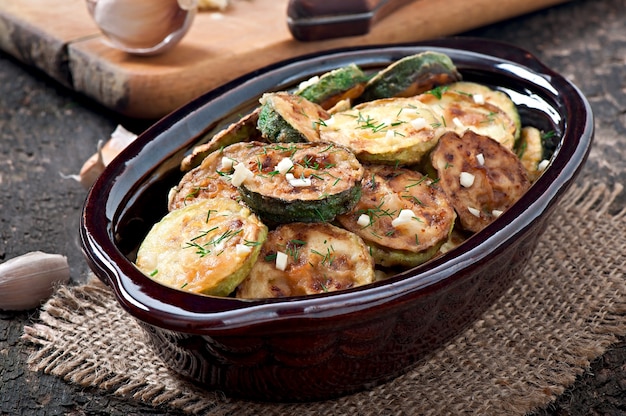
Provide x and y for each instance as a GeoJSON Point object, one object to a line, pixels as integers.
{"type": "Point", "coordinates": [322, 346]}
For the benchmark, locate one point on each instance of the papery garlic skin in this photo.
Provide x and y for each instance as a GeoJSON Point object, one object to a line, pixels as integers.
{"type": "Point", "coordinates": [106, 151]}
{"type": "Point", "coordinates": [94, 166]}
{"type": "Point", "coordinates": [143, 26]}
{"type": "Point", "coordinates": [28, 280]}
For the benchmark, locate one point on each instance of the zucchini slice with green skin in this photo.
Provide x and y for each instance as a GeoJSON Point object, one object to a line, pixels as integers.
{"type": "Point", "coordinates": [299, 182]}
{"type": "Point", "coordinates": [209, 179]}
{"type": "Point", "coordinates": [303, 259]}
{"type": "Point", "coordinates": [400, 131]}
{"type": "Point", "coordinates": [459, 112]}
{"type": "Point", "coordinates": [345, 83]}
{"type": "Point", "coordinates": [243, 130]}
{"type": "Point", "coordinates": [393, 131]}
{"type": "Point", "coordinates": [530, 152]}
{"type": "Point", "coordinates": [207, 247]}
{"type": "Point", "coordinates": [401, 215]}
{"type": "Point", "coordinates": [481, 177]}
{"type": "Point", "coordinates": [411, 75]}
{"type": "Point", "coordinates": [286, 117]}
{"type": "Point", "coordinates": [482, 93]}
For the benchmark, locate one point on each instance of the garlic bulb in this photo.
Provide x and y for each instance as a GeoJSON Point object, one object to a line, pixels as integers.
{"type": "Point", "coordinates": [27, 280]}
{"type": "Point", "coordinates": [143, 27]}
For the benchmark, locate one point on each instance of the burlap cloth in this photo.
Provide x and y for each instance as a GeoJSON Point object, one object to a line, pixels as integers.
{"type": "Point", "coordinates": [528, 348]}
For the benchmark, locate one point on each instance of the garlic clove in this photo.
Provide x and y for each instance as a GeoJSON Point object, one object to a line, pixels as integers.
{"type": "Point", "coordinates": [120, 138]}
{"type": "Point", "coordinates": [28, 280]}
{"type": "Point", "coordinates": [94, 166]}
{"type": "Point", "coordinates": [143, 27]}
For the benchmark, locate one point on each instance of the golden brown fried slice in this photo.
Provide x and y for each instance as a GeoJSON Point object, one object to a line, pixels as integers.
{"type": "Point", "coordinates": [207, 247]}
{"type": "Point", "coordinates": [481, 177]}
{"type": "Point", "coordinates": [304, 258]}
{"type": "Point", "coordinates": [401, 216]}
{"type": "Point", "coordinates": [459, 112]}
{"type": "Point", "coordinates": [387, 131]}
{"type": "Point", "coordinates": [210, 179]}
{"type": "Point", "coordinates": [244, 130]}
{"type": "Point", "coordinates": [299, 182]}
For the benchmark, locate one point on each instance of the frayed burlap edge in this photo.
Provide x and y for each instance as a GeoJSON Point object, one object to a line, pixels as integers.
{"type": "Point", "coordinates": [526, 350]}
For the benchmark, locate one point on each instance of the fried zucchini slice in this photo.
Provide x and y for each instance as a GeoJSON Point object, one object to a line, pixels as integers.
{"type": "Point", "coordinates": [388, 131]}
{"type": "Point", "coordinates": [304, 259]}
{"type": "Point", "coordinates": [481, 93]}
{"type": "Point", "coordinates": [243, 130]}
{"type": "Point", "coordinates": [299, 182]}
{"type": "Point", "coordinates": [401, 216]}
{"type": "Point", "coordinates": [345, 83]}
{"type": "Point", "coordinates": [481, 177]}
{"type": "Point", "coordinates": [208, 180]}
{"type": "Point", "coordinates": [286, 117]}
{"type": "Point", "coordinates": [530, 151]}
{"type": "Point", "coordinates": [459, 112]}
{"type": "Point", "coordinates": [207, 247]}
{"type": "Point", "coordinates": [411, 75]}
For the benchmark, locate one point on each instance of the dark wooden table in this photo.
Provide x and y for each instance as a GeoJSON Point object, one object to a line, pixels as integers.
{"type": "Point", "coordinates": [47, 131]}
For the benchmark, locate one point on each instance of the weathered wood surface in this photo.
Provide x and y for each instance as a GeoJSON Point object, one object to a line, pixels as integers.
{"type": "Point", "coordinates": [59, 37]}
{"type": "Point", "coordinates": [46, 129]}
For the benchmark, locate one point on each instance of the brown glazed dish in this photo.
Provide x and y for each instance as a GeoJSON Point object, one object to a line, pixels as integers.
{"type": "Point", "coordinates": [324, 346]}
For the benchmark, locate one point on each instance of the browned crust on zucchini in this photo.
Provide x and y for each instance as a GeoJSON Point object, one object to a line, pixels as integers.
{"type": "Point", "coordinates": [498, 182]}
{"type": "Point", "coordinates": [208, 180]}
{"type": "Point", "coordinates": [320, 258]}
{"type": "Point", "coordinates": [242, 130]}
{"type": "Point", "coordinates": [385, 191]}
{"type": "Point", "coordinates": [286, 117]}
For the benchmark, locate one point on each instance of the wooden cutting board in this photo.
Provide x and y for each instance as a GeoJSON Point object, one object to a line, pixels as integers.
{"type": "Point", "coordinates": [60, 38]}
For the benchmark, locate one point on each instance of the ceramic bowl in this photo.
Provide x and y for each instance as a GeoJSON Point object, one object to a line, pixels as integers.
{"type": "Point", "coordinates": [323, 346]}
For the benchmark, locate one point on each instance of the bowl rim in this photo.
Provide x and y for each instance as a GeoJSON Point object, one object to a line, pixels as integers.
{"type": "Point", "coordinates": [205, 314]}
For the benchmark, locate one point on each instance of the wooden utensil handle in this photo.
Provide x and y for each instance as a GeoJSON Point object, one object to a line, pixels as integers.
{"type": "Point", "coordinates": [310, 20]}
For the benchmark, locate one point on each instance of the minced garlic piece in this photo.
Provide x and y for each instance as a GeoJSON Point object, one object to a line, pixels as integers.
{"type": "Point", "coordinates": [466, 179]}
{"type": "Point", "coordinates": [419, 123]}
{"type": "Point", "coordinates": [364, 220]}
{"type": "Point", "coordinates": [478, 98]}
{"type": "Point", "coordinates": [543, 165]}
{"type": "Point", "coordinates": [297, 182]}
{"type": "Point", "coordinates": [242, 249]}
{"type": "Point", "coordinates": [241, 174]}
{"type": "Point", "coordinates": [403, 217]}
{"type": "Point", "coordinates": [281, 260]}
{"type": "Point", "coordinates": [284, 165]}
{"type": "Point", "coordinates": [475, 212]}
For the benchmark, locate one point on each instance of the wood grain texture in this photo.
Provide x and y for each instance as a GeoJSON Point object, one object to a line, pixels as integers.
{"type": "Point", "coordinates": [60, 38]}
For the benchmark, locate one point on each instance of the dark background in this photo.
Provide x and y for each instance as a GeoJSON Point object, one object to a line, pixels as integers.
{"type": "Point", "coordinates": [47, 131]}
